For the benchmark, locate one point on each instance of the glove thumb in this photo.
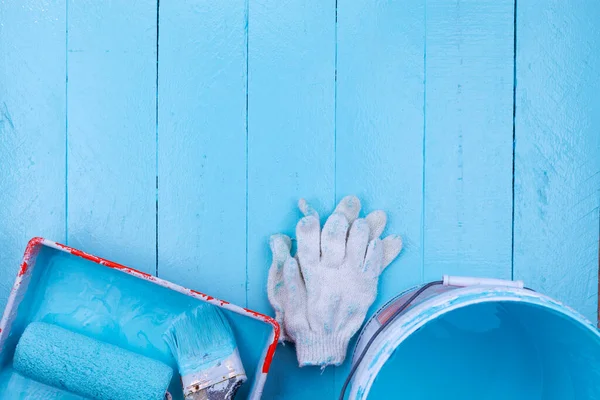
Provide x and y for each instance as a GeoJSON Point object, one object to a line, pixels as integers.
{"type": "Point", "coordinates": [392, 245]}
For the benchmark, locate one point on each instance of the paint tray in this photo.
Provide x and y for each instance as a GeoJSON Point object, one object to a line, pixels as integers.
{"type": "Point", "coordinates": [117, 305]}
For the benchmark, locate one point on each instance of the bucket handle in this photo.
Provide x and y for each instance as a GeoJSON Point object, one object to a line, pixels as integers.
{"type": "Point", "coordinates": [463, 281]}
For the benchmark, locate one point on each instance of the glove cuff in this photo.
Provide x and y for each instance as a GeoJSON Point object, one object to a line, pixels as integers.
{"type": "Point", "coordinates": [317, 349]}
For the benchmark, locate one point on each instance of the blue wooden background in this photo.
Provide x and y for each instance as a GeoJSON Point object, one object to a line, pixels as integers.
{"type": "Point", "coordinates": [176, 137]}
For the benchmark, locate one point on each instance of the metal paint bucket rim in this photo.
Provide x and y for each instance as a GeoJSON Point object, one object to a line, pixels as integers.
{"type": "Point", "coordinates": [418, 316]}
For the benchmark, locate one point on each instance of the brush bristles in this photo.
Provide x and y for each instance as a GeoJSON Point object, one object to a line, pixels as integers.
{"type": "Point", "coordinates": [200, 338]}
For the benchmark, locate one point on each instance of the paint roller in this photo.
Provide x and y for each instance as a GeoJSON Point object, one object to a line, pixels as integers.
{"type": "Point", "coordinates": [58, 357]}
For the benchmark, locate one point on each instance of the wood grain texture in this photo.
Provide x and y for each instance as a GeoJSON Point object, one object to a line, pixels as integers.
{"type": "Point", "coordinates": [468, 139]}
{"type": "Point", "coordinates": [32, 129]}
{"type": "Point", "coordinates": [406, 104]}
{"type": "Point", "coordinates": [111, 130]}
{"type": "Point", "coordinates": [291, 67]}
{"type": "Point", "coordinates": [379, 127]}
{"type": "Point", "coordinates": [202, 147]}
{"type": "Point", "coordinates": [557, 165]}
{"type": "Point", "coordinates": [379, 123]}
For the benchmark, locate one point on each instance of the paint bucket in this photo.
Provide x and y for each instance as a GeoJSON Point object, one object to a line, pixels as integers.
{"type": "Point", "coordinates": [468, 338]}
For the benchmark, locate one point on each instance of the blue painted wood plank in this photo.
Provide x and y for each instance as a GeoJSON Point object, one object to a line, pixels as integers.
{"type": "Point", "coordinates": [557, 165]}
{"type": "Point", "coordinates": [291, 72]}
{"type": "Point", "coordinates": [379, 126]}
{"type": "Point", "coordinates": [202, 146]}
{"type": "Point", "coordinates": [111, 93]}
{"type": "Point", "coordinates": [379, 123]}
{"type": "Point", "coordinates": [32, 129]}
{"type": "Point", "coordinates": [202, 155]}
{"type": "Point", "coordinates": [468, 138]}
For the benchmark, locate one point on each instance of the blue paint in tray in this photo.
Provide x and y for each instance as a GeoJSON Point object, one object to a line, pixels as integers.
{"type": "Point", "coordinates": [110, 306]}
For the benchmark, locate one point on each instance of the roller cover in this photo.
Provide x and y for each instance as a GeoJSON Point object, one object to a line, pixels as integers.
{"type": "Point", "coordinates": [90, 368]}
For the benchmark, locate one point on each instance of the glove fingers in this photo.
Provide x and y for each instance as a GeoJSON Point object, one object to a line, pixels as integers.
{"type": "Point", "coordinates": [374, 258]}
{"type": "Point", "coordinates": [392, 246]}
{"type": "Point", "coordinates": [350, 207]}
{"type": "Point", "coordinates": [308, 233]}
{"type": "Point", "coordinates": [333, 240]}
{"type": "Point", "coordinates": [292, 278]}
{"type": "Point", "coordinates": [281, 246]}
{"type": "Point", "coordinates": [307, 209]}
{"type": "Point", "coordinates": [275, 291]}
{"type": "Point", "coordinates": [295, 307]}
{"type": "Point", "coordinates": [356, 247]}
{"type": "Point", "coordinates": [377, 220]}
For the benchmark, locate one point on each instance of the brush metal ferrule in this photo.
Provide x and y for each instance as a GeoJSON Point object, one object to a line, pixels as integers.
{"type": "Point", "coordinates": [230, 368]}
{"type": "Point", "coordinates": [225, 390]}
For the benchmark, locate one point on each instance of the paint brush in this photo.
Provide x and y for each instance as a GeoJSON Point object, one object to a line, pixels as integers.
{"type": "Point", "coordinates": [203, 344]}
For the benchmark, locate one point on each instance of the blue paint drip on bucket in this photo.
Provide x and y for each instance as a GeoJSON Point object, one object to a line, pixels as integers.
{"type": "Point", "coordinates": [479, 342]}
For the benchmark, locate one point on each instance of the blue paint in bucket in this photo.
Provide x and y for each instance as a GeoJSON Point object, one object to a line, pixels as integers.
{"type": "Point", "coordinates": [480, 342]}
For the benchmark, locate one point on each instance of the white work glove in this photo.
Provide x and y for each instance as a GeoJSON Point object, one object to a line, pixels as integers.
{"type": "Point", "coordinates": [322, 295]}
